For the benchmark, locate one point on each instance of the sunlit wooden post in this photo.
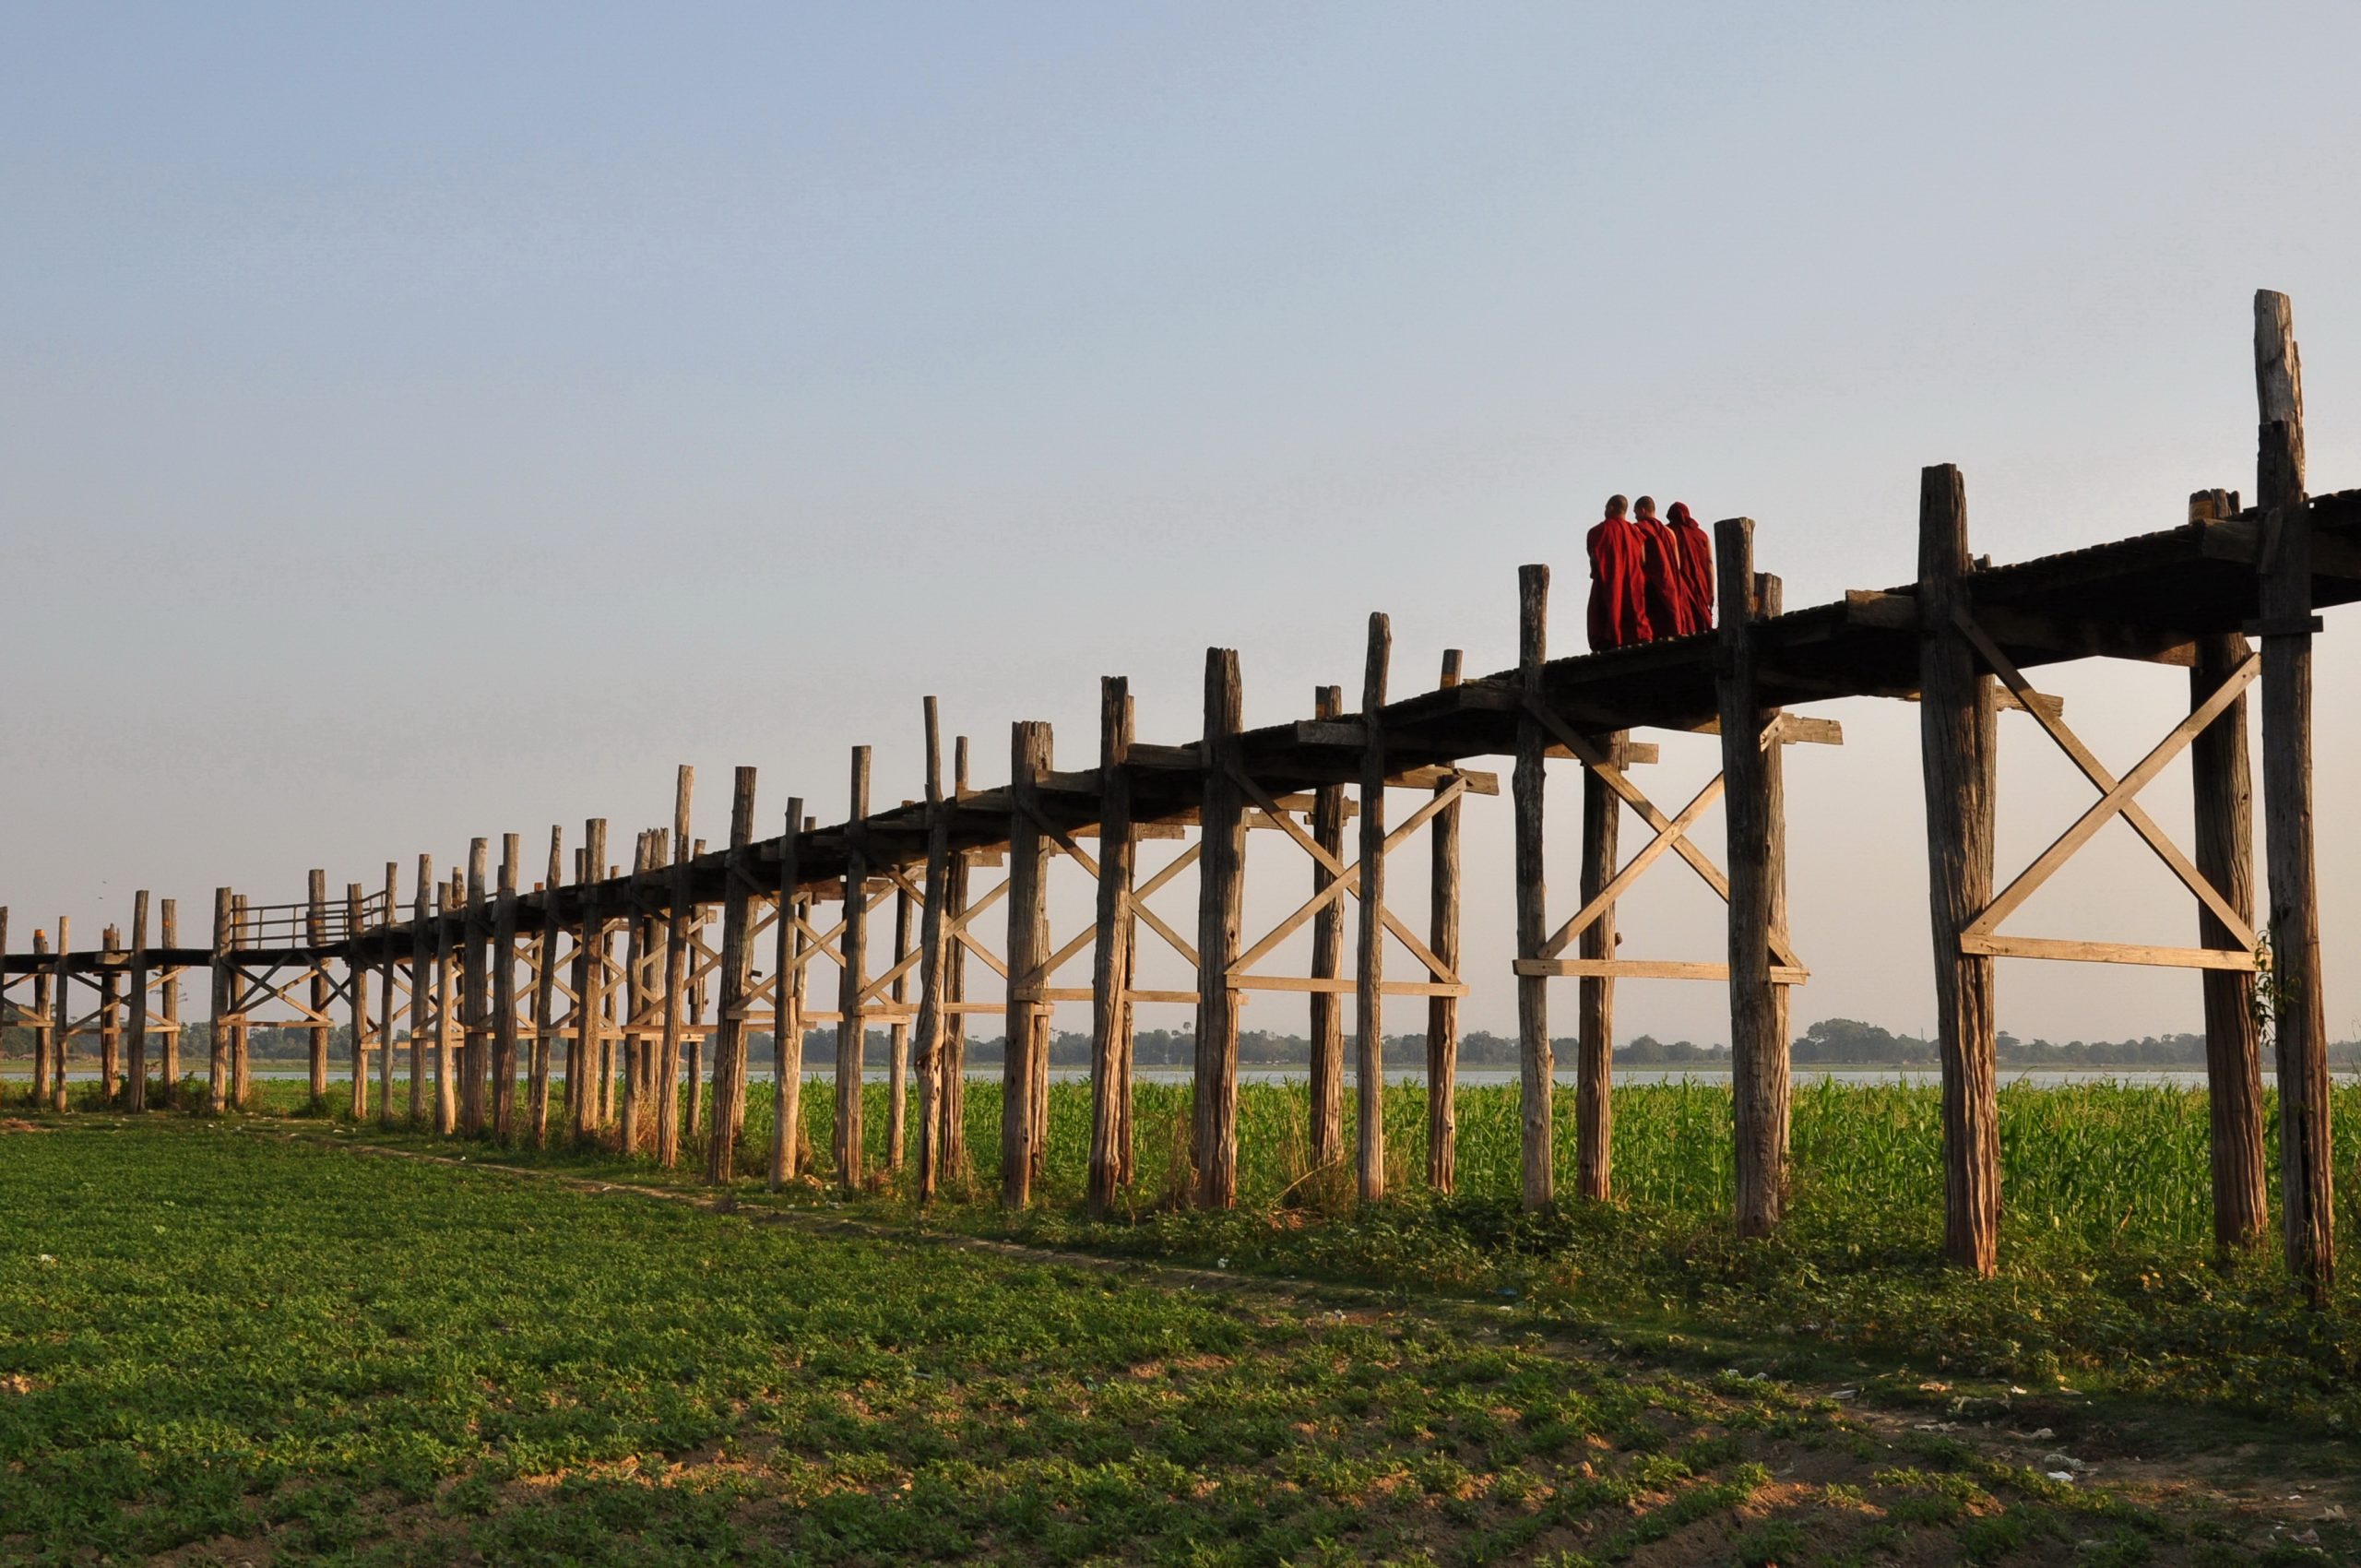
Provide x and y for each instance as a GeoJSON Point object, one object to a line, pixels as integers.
{"type": "Point", "coordinates": [739, 889]}
{"type": "Point", "coordinates": [357, 978]}
{"type": "Point", "coordinates": [1221, 880]}
{"type": "Point", "coordinates": [1110, 969]}
{"type": "Point", "coordinates": [1956, 713]}
{"type": "Point", "coordinates": [853, 1024]}
{"type": "Point", "coordinates": [1028, 944]}
{"type": "Point", "coordinates": [135, 1089]}
{"type": "Point", "coordinates": [786, 1023]}
{"type": "Point", "coordinates": [2306, 1182]}
{"type": "Point", "coordinates": [1442, 1012]}
{"type": "Point", "coordinates": [1535, 1067]}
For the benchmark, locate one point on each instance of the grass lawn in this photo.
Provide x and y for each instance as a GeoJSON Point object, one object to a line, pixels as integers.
{"type": "Point", "coordinates": [227, 1344]}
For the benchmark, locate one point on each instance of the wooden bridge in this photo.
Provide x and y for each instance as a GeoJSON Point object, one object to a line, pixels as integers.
{"type": "Point", "coordinates": [477, 976]}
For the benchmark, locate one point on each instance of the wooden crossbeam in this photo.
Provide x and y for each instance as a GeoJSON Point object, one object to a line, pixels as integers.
{"type": "Point", "coordinates": [2055, 727]}
{"type": "Point", "coordinates": [1676, 828]}
{"type": "Point", "coordinates": [2112, 801]}
{"type": "Point", "coordinates": [1593, 758]}
{"type": "Point", "coordinates": [1651, 968]}
{"type": "Point", "coordinates": [2105, 952]}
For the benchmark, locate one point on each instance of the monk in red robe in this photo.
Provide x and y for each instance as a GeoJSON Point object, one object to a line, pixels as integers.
{"type": "Point", "coordinates": [1619, 593]}
{"type": "Point", "coordinates": [1696, 559]}
{"type": "Point", "coordinates": [1660, 572]}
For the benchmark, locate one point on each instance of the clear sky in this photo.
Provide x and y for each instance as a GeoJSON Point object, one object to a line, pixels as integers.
{"type": "Point", "coordinates": [441, 421]}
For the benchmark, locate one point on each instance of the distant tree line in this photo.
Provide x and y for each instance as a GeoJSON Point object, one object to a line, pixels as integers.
{"type": "Point", "coordinates": [1832, 1042]}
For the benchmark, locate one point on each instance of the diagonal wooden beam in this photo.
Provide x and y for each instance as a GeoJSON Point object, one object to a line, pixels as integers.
{"type": "Point", "coordinates": [1596, 760]}
{"type": "Point", "coordinates": [1622, 880]}
{"type": "Point", "coordinates": [2112, 802]}
{"type": "Point", "coordinates": [2053, 724]}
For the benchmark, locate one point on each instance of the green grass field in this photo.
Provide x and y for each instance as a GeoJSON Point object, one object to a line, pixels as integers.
{"type": "Point", "coordinates": [235, 1342]}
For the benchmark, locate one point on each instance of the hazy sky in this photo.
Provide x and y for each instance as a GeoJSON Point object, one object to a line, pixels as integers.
{"type": "Point", "coordinates": [443, 424]}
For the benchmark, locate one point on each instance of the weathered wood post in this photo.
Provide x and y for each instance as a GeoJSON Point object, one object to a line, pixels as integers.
{"type": "Point", "coordinates": [315, 936]}
{"type": "Point", "coordinates": [1221, 884]}
{"type": "Point", "coordinates": [44, 1028]}
{"type": "Point", "coordinates": [1326, 1006]}
{"type": "Point", "coordinates": [679, 906]}
{"type": "Point", "coordinates": [1442, 1012]}
{"type": "Point", "coordinates": [168, 1003]}
{"type": "Point", "coordinates": [787, 1018]}
{"type": "Point", "coordinates": [109, 985]}
{"type": "Point", "coordinates": [633, 1043]}
{"type": "Point", "coordinates": [217, 1074]}
{"type": "Point", "coordinates": [584, 1072]}
{"type": "Point", "coordinates": [423, 994]}
{"type": "Point", "coordinates": [62, 1011]}
{"type": "Point", "coordinates": [1369, 969]}
{"type": "Point", "coordinates": [1769, 601]}
{"type": "Point", "coordinates": [241, 1032]}
{"type": "Point", "coordinates": [2298, 1011]}
{"type": "Point", "coordinates": [447, 1013]}
{"type": "Point", "coordinates": [536, 1092]}
{"type": "Point", "coordinates": [1030, 756]}
{"type": "Point", "coordinates": [504, 995]}
{"type": "Point", "coordinates": [357, 978]}
{"type": "Point", "coordinates": [135, 1090]}
{"type": "Point", "coordinates": [1757, 1056]}
{"type": "Point", "coordinates": [853, 1024]}
{"type": "Point", "coordinates": [1956, 713]}
{"type": "Point", "coordinates": [1111, 959]}
{"type": "Point", "coordinates": [739, 888]}
{"type": "Point", "coordinates": [1595, 995]}
{"type": "Point", "coordinates": [897, 1035]}
{"type": "Point", "coordinates": [389, 960]}
{"type": "Point", "coordinates": [954, 995]}
{"type": "Point", "coordinates": [1535, 1065]}
{"type": "Point", "coordinates": [928, 1043]}
{"type": "Point", "coordinates": [475, 1053]}
{"type": "Point", "coordinates": [692, 1028]}
{"type": "Point", "coordinates": [2222, 792]}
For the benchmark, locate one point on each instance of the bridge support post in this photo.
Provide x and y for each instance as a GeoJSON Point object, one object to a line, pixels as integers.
{"type": "Point", "coordinates": [928, 1051]}
{"type": "Point", "coordinates": [109, 985]}
{"type": "Point", "coordinates": [1442, 1012]}
{"type": "Point", "coordinates": [167, 1002]}
{"type": "Point", "coordinates": [388, 963]}
{"type": "Point", "coordinates": [679, 921]}
{"type": "Point", "coordinates": [1328, 1018]}
{"type": "Point", "coordinates": [787, 1014]}
{"type": "Point", "coordinates": [135, 1068]}
{"type": "Point", "coordinates": [1221, 880]}
{"type": "Point", "coordinates": [1957, 714]}
{"type": "Point", "coordinates": [315, 934]}
{"type": "Point", "coordinates": [475, 975]}
{"type": "Point", "coordinates": [1110, 968]}
{"type": "Point", "coordinates": [217, 1068]}
{"type": "Point", "coordinates": [1757, 1054]}
{"type": "Point", "coordinates": [2298, 1010]}
{"type": "Point", "coordinates": [62, 1015]}
{"type": "Point", "coordinates": [503, 995]}
{"type": "Point", "coordinates": [737, 967]}
{"type": "Point", "coordinates": [954, 1064]}
{"type": "Point", "coordinates": [1369, 1012]}
{"type": "Point", "coordinates": [357, 979]}
{"type": "Point", "coordinates": [1030, 756]}
{"type": "Point", "coordinates": [424, 995]}
{"type": "Point", "coordinates": [1533, 1056]}
{"type": "Point", "coordinates": [41, 1028]}
{"type": "Point", "coordinates": [852, 1023]}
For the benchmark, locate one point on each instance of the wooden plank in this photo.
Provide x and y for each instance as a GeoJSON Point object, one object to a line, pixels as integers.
{"type": "Point", "coordinates": [2003, 946]}
{"type": "Point", "coordinates": [1220, 887]}
{"type": "Point", "coordinates": [1648, 969]}
{"type": "Point", "coordinates": [1599, 903]}
{"type": "Point", "coordinates": [1956, 739]}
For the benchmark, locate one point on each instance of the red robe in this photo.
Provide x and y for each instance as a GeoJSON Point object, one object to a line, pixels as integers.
{"type": "Point", "coordinates": [1660, 570]}
{"type": "Point", "coordinates": [1619, 595]}
{"type": "Point", "coordinates": [1696, 568]}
